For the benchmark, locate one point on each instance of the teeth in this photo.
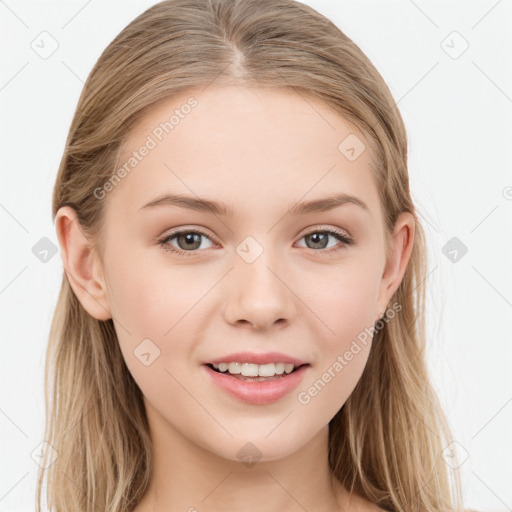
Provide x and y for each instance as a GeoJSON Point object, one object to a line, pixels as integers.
{"type": "Point", "coordinates": [255, 370]}
{"type": "Point", "coordinates": [280, 368]}
{"type": "Point", "coordinates": [251, 370]}
{"type": "Point", "coordinates": [234, 368]}
{"type": "Point", "coordinates": [288, 368]}
{"type": "Point", "coordinates": [267, 370]}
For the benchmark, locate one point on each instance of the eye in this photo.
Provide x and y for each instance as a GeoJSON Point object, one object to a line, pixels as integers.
{"type": "Point", "coordinates": [319, 239]}
{"type": "Point", "coordinates": [189, 240]}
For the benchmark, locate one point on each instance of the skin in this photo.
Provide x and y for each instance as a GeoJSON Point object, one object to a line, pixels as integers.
{"type": "Point", "coordinates": [248, 148]}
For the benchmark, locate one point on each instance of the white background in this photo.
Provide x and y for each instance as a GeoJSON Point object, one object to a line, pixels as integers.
{"type": "Point", "coordinates": [457, 112]}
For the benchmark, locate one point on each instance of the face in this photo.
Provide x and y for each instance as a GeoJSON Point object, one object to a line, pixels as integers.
{"type": "Point", "coordinates": [190, 285]}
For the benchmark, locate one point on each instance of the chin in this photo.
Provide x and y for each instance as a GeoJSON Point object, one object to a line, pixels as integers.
{"type": "Point", "coordinates": [250, 449]}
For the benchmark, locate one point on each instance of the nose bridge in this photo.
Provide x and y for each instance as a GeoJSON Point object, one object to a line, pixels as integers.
{"type": "Point", "coordinates": [259, 293]}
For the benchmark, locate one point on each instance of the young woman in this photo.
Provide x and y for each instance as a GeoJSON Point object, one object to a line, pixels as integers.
{"type": "Point", "coordinates": [240, 323]}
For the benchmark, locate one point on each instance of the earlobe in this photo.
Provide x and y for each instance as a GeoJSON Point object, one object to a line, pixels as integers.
{"type": "Point", "coordinates": [402, 244]}
{"type": "Point", "coordinates": [82, 267]}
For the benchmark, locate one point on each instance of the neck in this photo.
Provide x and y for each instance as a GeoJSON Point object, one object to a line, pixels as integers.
{"type": "Point", "coordinates": [188, 477]}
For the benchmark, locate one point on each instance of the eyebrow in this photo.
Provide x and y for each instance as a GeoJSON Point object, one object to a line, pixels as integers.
{"type": "Point", "coordinates": [222, 209]}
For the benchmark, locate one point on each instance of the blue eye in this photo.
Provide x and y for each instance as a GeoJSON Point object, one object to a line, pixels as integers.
{"type": "Point", "coordinates": [192, 239]}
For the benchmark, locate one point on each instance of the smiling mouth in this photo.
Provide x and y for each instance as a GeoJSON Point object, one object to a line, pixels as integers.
{"type": "Point", "coordinates": [269, 384]}
{"type": "Point", "coordinates": [239, 376]}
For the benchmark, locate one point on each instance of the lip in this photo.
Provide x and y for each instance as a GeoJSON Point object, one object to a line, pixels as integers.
{"type": "Point", "coordinates": [256, 393]}
{"type": "Point", "coordinates": [255, 358]}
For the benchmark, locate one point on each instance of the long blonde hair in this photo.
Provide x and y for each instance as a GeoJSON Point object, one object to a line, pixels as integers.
{"type": "Point", "coordinates": [386, 443]}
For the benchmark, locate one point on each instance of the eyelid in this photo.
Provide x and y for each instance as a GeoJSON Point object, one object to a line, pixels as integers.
{"type": "Point", "coordinates": [319, 227]}
{"type": "Point", "coordinates": [186, 229]}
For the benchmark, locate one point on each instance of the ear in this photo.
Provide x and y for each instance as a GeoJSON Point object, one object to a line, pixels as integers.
{"type": "Point", "coordinates": [82, 265]}
{"type": "Point", "coordinates": [401, 248]}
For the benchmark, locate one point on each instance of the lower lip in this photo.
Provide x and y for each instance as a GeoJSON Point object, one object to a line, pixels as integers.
{"type": "Point", "coordinates": [257, 393]}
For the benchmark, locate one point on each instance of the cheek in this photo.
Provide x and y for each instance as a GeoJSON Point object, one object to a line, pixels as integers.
{"type": "Point", "coordinates": [344, 299]}
{"type": "Point", "coordinates": [151, 300]}
{"type": "Point", "coordinates": [153, 303]}
{"type": "Point", "coordinates": [344, 302]}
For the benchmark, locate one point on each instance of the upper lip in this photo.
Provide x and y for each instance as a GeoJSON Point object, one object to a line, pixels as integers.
{"type": "Point", "coordinates": [255, 358]}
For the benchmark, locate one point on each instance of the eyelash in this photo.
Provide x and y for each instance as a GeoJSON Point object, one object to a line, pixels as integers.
{"type": "Point", "coordinates": [339, 235]}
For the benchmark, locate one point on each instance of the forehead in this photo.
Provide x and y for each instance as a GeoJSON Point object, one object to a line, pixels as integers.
{"type": "Point", "coordinates": [245, 147]}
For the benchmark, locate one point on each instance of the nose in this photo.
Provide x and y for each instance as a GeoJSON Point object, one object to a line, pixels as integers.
{"type": "Point", "coordinates": [259, 294]}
